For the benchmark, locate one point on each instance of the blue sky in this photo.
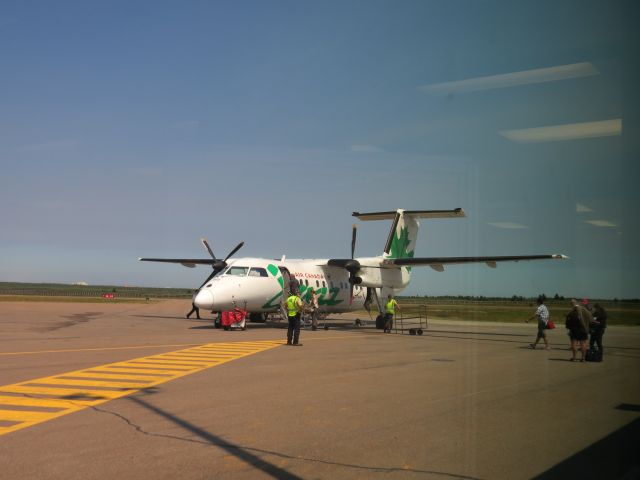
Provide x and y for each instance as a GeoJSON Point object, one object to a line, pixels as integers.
{"type": "Point", "coordinates": [132, 129]}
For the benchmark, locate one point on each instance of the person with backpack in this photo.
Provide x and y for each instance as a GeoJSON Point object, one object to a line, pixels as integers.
{"type": "Point", "coordinates": [578, 320]}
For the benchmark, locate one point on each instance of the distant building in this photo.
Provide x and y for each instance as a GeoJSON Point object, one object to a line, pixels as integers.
{"type": "Point", "coordinates": [81, 284]}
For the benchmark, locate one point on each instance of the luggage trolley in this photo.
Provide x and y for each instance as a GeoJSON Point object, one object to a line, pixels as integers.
{"type": "Point", "coordinates": [412, 318]}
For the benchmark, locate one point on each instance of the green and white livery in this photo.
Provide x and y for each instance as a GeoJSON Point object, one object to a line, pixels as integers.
{"type": "Point", "coordinates": [259, 285]}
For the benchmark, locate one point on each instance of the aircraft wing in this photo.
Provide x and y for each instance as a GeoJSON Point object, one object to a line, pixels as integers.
{"type": "Point", "coordinates": [438, 263]}
{"type": "Point", "coordinates": [187, 262]}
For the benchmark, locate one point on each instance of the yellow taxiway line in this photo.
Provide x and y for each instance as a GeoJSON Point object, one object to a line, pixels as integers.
{"type": "Point", "coordinates": [35, 401]}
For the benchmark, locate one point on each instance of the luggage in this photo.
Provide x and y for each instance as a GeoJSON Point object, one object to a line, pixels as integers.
{"type": "Point", "coordinates": [380, 321]}
{"type": "Point", "coordinates": [593, 355]}
{"type": "Point", "coordinates": [233, 319]}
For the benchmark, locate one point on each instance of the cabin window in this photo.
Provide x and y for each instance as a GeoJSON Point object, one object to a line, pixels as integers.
{"type": "Point", "coordinates": [237, 271]}
{"type": "Point", "coordinates": [317, 284]}
{"type": "Point", "coordinates": [324, 285]}
{"type": "Point", "coordinates": [258, 272]}
{"type": "Point", "coordinates": [306, 282]}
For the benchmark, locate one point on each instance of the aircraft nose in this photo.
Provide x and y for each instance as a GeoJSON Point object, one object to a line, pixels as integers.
{"type": "Point", "coordinates": [204, 299]}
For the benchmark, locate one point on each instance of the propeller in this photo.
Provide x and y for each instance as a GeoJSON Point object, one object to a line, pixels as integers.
{"type": "Point", "coordinates": [217, 265]}
{"type": "Point", "coordinates": [352, 266]}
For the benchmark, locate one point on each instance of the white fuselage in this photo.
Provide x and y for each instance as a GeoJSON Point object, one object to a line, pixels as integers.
{"type": "Point", "coordinates": [256, 284]}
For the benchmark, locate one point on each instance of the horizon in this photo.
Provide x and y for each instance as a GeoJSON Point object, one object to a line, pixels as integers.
{"type": "Point", "coordinates": [550, 297]}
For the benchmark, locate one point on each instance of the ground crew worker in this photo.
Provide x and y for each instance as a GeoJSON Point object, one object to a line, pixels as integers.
{"type": "Point", "coordinates": [294, 307]}
{"type": "Point", "coordinates": [390, 311]}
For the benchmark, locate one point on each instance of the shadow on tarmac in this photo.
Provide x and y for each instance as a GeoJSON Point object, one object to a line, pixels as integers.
{"type": "Point", "coordinates": [613, 457]}
{"type": "Point", "coordinates": [244, 453]}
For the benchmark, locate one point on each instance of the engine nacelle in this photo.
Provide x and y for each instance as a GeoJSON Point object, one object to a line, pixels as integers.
{"type": "Point", "coordinates": [395, 278]}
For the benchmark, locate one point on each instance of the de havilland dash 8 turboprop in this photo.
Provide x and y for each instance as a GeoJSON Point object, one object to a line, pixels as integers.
{"type": "Point", "coordinates": [259, 285]}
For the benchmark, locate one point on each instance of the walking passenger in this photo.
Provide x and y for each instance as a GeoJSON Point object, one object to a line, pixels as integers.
{"type": "Point", "coordinates": [294, 285]}
{"type": "Point", "coordinates": [314, 308]}
{"type": "Point", "coordinates": [542, 314]}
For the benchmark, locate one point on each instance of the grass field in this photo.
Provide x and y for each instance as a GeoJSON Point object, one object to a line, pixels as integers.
{"type": "Point", "coordinates": [619, 313]}
{"type": "Point", "coordinates": [57, 290]}
{"type": "Point", "coordinates": [493, 310]}
{"type": "Point", "coordinates": [70, 299]}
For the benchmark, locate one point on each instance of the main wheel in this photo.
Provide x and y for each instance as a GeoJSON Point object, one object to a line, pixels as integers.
{"type": "Point", "coordinates": [257, 317]}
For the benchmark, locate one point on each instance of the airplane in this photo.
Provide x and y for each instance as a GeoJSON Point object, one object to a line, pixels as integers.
{"type": "Point", "coordinates": [260, 285]}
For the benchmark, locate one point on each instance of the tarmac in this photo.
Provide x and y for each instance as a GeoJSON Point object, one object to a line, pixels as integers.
{"type": "Point", "coordinates": [96, 391]}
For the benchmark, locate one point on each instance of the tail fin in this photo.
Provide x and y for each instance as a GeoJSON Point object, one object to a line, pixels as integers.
{"type": "Point", "coordinates": [404, 229]}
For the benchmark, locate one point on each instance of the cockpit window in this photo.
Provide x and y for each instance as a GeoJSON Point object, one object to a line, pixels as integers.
{"type": "Point", "coordinates": [258, 272]}
{"type": "Point", "coordinates": [237, 271]}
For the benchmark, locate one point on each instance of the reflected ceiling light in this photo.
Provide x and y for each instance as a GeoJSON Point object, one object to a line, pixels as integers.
{"type": "Point", "coordinates": [582, 208]}
{"type": "Point", "coordinates": [507, 225]}
{"type": "Point", "coordinates": [525, 77]}
{"type": "Point", "coordinates": [601, 223]}
{"type": "Point", "coordinates": [570, 131]}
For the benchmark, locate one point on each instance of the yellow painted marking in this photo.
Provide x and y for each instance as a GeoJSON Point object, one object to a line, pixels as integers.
{"type": "Point", "coordinates": [65, 393]}
{"type": "Point", "coordinates": [34, 402]}
{"type": "Point", "coordinates": [132, 369]}
{"type": "Point", "coordinates": [119, 374]}
{"type": "Point", "coordinates": [90, 383]}
{"type": "Point", "coordinates": [173, 366]}
{"type": "Point", "coordinates": [184, 360]}
{"type": "Point", "coordinates": [73, 391]}
{"type": "Point", "coordinates": [24, 416]}
{"type": "Point", "coordinates": [134, 347]}
{"type": "Point", "coordinates": [151, 361]}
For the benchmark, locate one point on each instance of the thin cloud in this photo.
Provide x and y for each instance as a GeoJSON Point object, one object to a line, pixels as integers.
{"type": "Point", "coordinates": [580, 208]}
{"type": "Point", "coordinates": [509, 225]}
{"type": "Point", "coordinates": [513, 79]}
{"type": "Point", "coordinates": [569, 131]}
{"type": "Point", "coordinates": [601, 223]}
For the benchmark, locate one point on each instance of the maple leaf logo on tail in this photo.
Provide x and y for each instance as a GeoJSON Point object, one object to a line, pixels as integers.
{"type": "Point", "coordinates": [402, 237]}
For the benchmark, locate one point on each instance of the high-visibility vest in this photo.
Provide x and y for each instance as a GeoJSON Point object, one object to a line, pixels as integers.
{"type": "Point", "coordinates": [391, 307]}
{"type": "Point", "coordinates": [292, 305]}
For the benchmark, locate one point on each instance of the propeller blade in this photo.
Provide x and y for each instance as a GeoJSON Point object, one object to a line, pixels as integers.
{"type": "Point", "coordinates": [354, 230]}
{"type": "Point", "coordinates": [206, 245]}
{"type": "Point", "coordinates": [350, 293]}
{"type": "Point", "coordinates": [213, 274]}
{"type": "Point", "coordinates": [238, 247]}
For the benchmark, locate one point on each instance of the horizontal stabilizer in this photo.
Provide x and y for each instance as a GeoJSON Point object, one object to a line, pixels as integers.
{"type": "Point", "coordinates": [456, 212]}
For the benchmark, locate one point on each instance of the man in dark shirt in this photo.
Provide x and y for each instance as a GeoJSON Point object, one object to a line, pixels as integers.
{"type": "Point", "coordinates": [598, 326]}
